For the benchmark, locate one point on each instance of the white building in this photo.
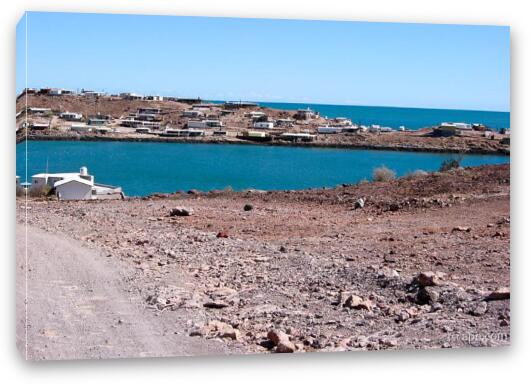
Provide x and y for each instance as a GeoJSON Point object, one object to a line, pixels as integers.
{"type": "Point", "coordinates": [263, 125]}
{"type": "Point", "coordinates": [71, 116]}
{"type": "Point", "coordinates": [80, 128]}
{"type": "Point", "coordinates": [74, 186]}
{"type": "Point", "coordinates": [342, 121]}
{"type": "Point", "coordinates": [131, 96]}
{"type": "Point", "coordinates": [329, 129]}
{"type": "Point", "coordinates": [189, 132]}
{"type": "Point", "coordinates": [201, 124]}
{"type": "Point", "coordinates": [154, 98]}
{"type": "Point", "coordinates": [297, 136]}
{"type": "Point", "coordinates": [192, 113]}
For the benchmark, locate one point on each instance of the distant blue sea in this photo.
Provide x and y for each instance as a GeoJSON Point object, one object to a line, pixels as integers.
{"type": "Point", "coordinates": [412, 118]}
{"type": "Point", "coordinates": [145, 168]}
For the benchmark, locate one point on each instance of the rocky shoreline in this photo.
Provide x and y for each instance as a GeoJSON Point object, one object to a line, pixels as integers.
{"type": "Point", "coordinates": [420, 262]}
{"type": "Point", "coordinates": [407, 147]}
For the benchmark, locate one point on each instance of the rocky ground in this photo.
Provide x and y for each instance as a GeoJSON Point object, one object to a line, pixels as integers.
{"type": "Point", "coordinates": [420, 262]}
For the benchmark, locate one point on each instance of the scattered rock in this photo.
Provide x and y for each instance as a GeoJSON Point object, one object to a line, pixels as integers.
{"type": "Point", "coordinates": [360, 203]}
{"type": "Point", "coordinates": [180, 211]}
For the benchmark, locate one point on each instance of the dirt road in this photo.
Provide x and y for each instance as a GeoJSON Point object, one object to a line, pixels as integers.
{"type": "Point", "coordinates": [80, 306]}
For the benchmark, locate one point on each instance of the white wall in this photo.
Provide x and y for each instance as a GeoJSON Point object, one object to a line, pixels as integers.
{"type": "Point", "coordinates": [73, 191]}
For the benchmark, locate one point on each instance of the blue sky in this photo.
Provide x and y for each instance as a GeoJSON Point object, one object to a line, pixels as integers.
{"type": "Point", "coordinates": [356, 63]}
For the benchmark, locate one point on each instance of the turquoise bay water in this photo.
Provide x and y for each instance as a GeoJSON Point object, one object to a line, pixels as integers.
{"type": "Point", "coordinates": [144, 168]}
{"type": "Point", "coordinates": [412, 118]}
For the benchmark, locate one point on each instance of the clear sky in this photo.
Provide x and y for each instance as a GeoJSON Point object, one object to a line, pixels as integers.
{"type": "Point", "coordinates": [357, 63]}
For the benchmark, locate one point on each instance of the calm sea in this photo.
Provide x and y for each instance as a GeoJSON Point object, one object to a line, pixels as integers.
{"type": "Point", "coordinates": [412, 118]}
{"type": "Point", "coordinates": [144, 168]}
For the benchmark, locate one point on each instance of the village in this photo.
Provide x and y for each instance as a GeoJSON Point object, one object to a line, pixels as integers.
{"type": "Point", "coordinates": [52, 113]}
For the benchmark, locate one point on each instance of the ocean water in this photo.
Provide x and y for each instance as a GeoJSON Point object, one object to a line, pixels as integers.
{"type": "Point", "coordinates": [145, 168]}
{"type": "Point", "coordinates": [412, 118]}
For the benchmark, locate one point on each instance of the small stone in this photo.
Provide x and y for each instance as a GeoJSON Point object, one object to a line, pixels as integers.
{"type": "Point", "coordinates": [285, 346]}
{"type": "Point", "coordinates": [360, 203]}
{"type": "Point", "coordinates": [229, 333]}
{"type": "Point", "coordinates": [216, 304]}
{"type": "Point", "coordinates": [502, 293]}
{"type": "Point", "coordinates": [356, 302]}
{"type": "Point", "coordinates": [222, 235]}
{"type": "Point", "coordinates": [389, 343]}
{"type": "Point", "coordinates": [394, 207]}
{"type": "Point", "coordinates": [247, 207]}
{"type": "Point", "coordinates": [504, 323]}
{"type": "Point", "coordinates": [480, 309]}
{"type": "Point", "coordinates": [426, 295]}
{"type": "Point", "coordinates": [461, 229]}
{"type": "Point", "coordinates": [277, 336]}
{"type": "Point", "coordinates": [428, 278]}
{"type": "Point", "coordinates": [180, 211]}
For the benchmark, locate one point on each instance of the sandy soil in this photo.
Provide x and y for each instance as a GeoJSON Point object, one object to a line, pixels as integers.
{"type": "Point", "coordinates": [309, 266]}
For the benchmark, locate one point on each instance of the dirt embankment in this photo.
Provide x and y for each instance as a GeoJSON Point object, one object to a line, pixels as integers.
{"type": "Point", "coordinates": [413, 264]}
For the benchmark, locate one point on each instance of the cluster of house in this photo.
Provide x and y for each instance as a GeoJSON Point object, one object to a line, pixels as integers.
{"type": "Point", "coordinates": [97, 123]}
{"type": "Point", "coordinates": [87, 93]}
{"type": "Point", "coordinates": [72, 186]}
{"type": "Point", "coordinates": [144, 120]}
{"type": "Point", "coordinates": [447, 129]}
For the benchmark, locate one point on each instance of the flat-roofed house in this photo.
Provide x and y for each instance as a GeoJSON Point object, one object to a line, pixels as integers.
{"type": "Point", "coordinates": [131, 96]}
{"type": "Point", "coordinates": [263, 125]}
{"type": "Point", "coordinates": [71, 116]}
{"type": "Point", "coordinates": [304, 114]}
{"type": "Point", "coordinates": [74, 188]}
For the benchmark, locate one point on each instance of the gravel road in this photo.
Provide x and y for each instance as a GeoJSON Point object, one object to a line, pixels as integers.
{"type": "Point", "coordinates": [81, 307]}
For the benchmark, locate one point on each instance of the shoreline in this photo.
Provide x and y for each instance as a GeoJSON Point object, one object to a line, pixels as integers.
{"type": "Point", "coordinates": [218, 140]}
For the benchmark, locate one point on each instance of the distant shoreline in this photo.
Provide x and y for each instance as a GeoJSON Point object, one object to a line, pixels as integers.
{"type": "Point", "coordinates": [222, 140]}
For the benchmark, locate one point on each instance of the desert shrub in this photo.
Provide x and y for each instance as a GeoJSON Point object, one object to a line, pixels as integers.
{"type": "Point", "coordinates": [41, 191]}
{"type": "Point", "coordinates": [449, 164]}
{"type": "Point", "coordinates": [418, 173]}
{"type": "Point", "coordinates": [383, 174]}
